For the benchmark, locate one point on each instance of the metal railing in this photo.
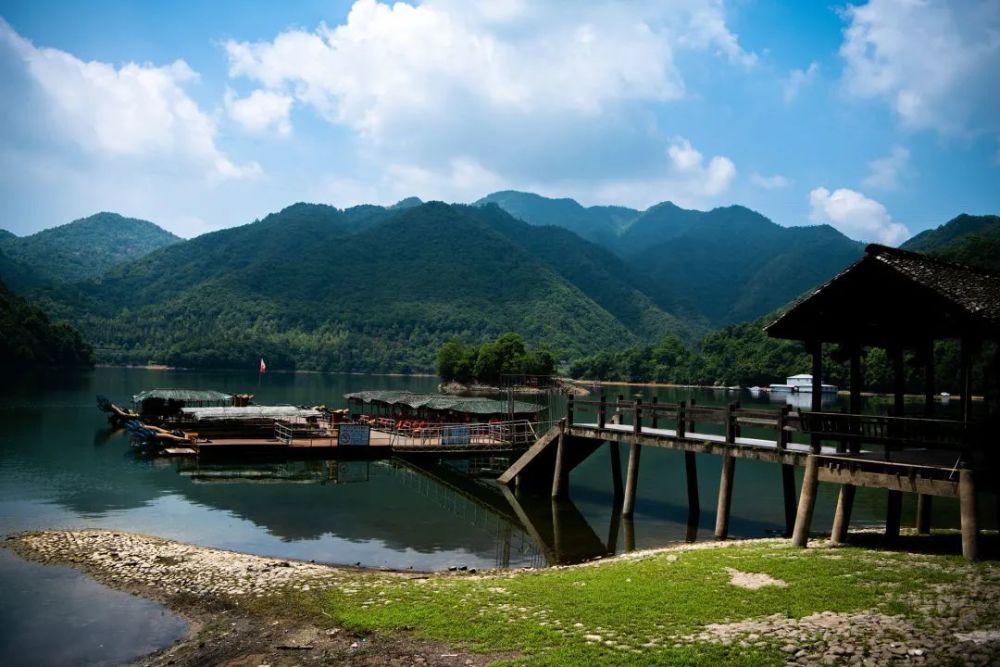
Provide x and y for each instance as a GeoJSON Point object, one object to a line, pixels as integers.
{"type": "Point", "coordinates": [517, 432]}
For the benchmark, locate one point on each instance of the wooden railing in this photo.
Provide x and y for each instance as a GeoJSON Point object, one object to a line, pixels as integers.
{"type": "Point", "coordinates": [849, 431]}
{"type": "Point", "coordinates": [683, 417]}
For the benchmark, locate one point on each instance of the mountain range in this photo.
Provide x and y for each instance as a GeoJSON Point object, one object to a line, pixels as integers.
{"type": "Point", "coordinates": [373, 288]}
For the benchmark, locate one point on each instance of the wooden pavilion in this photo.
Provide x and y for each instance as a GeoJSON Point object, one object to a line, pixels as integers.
{"type": "Point", "coordinates": [904, 303]}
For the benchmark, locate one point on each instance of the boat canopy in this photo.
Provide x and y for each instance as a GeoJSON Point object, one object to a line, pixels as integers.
{"type": "Point", "coordinates": [473, 405]}
{"type": "Point", "coordinates": [190, 397]}
{"type": "Point", "coordinates": [249, 412]}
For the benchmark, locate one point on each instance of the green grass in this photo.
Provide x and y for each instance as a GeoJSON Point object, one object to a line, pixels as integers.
{"type": "Point", "coordinates": [645, 606]}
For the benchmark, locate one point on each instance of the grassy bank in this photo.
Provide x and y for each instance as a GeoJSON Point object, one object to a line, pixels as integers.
{"type": "Point", "coordinates": [691, 607]}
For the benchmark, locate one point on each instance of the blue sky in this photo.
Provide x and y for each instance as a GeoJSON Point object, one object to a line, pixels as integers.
{"type": "Point", "coordinates": [878, 118]}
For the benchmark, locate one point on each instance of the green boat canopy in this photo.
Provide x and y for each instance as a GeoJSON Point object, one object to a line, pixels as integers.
{"type": "Point", "coordinates": [473, 405]}
{"type": "Point", "coordinates": [190, 397]}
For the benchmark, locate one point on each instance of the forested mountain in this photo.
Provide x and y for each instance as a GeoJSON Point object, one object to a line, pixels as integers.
{"type": "Point", "coordinates": [368, 288]}
{"type": "Point", "coordinates": [969, 239]}
{"type": "Point", "coordinates": [87, 247]}
{"type": "Point", "coordinates": [722, 266]}
{"type": "Point", "coordinates": [28, 340]}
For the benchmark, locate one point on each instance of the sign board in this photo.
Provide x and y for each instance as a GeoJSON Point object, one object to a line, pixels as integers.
{"type": "Point", "coordinates": [456, 435]}
{"type": "Point", "coordinates": [353, 435]}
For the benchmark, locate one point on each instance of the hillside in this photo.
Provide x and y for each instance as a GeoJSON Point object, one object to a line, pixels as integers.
{"type": "Point", "coordinates": [28, 340]}
{"type": "Point", "coordinates": [364, 289]}
{"type": "Point", "coordinates": [969, 239]}
{"type": "Point", "coordinates": [599, 224]}
{"type": "Point", "coordinates": [727, 265]}
{"type": "Point", "coordinates": [87, 247]}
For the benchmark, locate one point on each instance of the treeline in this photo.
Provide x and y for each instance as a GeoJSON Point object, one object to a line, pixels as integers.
{"type": "Point", "coordinates": [28, 340]}
{"type": "Point", "coordinates": [744, 355]}
{"type": "Point", "coordinates": [489, 362]}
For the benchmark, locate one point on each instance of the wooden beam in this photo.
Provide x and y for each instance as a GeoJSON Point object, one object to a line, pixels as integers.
{"type": "Point", "coordinates": [890, 481]}
{"type": "Point", "coordinates": [816, 402]}
{"type": "Point", "coordinates": [929, 390]}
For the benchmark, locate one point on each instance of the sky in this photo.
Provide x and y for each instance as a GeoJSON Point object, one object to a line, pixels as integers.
{"type": "Point", "coordinates": [880, 118]}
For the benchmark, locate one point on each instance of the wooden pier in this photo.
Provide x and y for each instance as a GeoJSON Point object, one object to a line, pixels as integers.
{"type": "Point", "coordinates": [922, 456]}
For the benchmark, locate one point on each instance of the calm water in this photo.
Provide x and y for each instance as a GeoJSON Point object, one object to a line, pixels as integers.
{"type": "Point", "coordinates": [61, 466]}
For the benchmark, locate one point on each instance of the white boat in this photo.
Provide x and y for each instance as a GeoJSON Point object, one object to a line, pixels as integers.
{"type": "Point", "coordinates": [802, 384]}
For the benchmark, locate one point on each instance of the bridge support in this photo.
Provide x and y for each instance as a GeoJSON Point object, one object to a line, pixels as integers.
{"type": "Point", "coordinates": [631, 479]}
{"type": "Point", "coordinates": [842, 517]}
{"type": "Point", "coordinates": [616, 471]}
{"type": "Point", "coordinates": [893, 511]}
{"type": "Point", "coordinates": [967, 506]}
{"type": "Point", "coordinates": [725, 496]}
{"type": "Point", "coordinates": [788, 488]}
{"type": "Point", "coordinates": [560, 476]}
{"type": "Point", "coordinates": [807, 502]}
{"type": "Point", "coordinates": [691, 468]}
{"type": "Point", "coordinates": [629, 526]}
{"type": "Point", "coordinates": [924, 509]}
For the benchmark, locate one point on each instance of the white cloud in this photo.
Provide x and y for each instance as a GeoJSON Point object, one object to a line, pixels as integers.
{"type": "Point", "coordinates": [132, 111]}
{"type": "Point", "coordinates": [884, 172]}
{"type": "Point", "coordinates": [520, 88]}
{"type": "Point", "coordinates": [261, 111]}
{"type": "Point", "coordinates": [697, 178]}
{"type": "Point", "coordinates": [798, 79]}
{"type": "Point", "coordinates": [856, 216]}
{"type": "Point", "coordinates": [935, 63]}
{"type": "Point", "coordinates": [776, 182]}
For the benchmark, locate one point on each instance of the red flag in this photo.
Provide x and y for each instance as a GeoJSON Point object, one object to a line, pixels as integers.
{"type": "Point", "coordinates": [263, 366]}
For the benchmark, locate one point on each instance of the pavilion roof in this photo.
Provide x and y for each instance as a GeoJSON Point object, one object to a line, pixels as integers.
{"type": "Point", "coordinates": [184, 395]}
{"type": "Point", "coordinates": [895, 297]}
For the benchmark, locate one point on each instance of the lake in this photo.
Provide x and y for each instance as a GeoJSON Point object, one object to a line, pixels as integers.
{"type": "Point", "coordinates": [61, 466]}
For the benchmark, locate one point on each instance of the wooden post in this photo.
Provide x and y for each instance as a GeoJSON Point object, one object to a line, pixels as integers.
{"type": "Point", "coordinates": [691, 470]}
{"type": "Point", "coordinates": [569, 410]}
{"type": "Point", "coordinates": [782, 436]}
{"type": "Point", "coordinates": [629, 531]}
{"type": "Point", "coordinates": [681, 424]}
{"type": "Point", "coordinates": [788, 488]}
{"type": "Point", "coordinates": [816, 402]}
{"type": "Point", "coordinates": [560, 476]}
{"type": "Point", "coordinates": [690, 426]}
{"type": "Point", "coordinates": [842, 517]}
{"type": "Point", "coordinates": [898, 381]}
{"type": "Point", "coordinates": [893, 510]}
{"type": "Point", "coordinates": [725, 496]}
{"type": "Point", "coordinates": [631, 479]}
{"type": "Point", "coordinates": [924, 509]}
{"type": "Point", "coordinates": [637, 417]}
{"type": "Point", "coordinates": [967, 506]}
{"type": "Point", "coordinates": [602, 411]}
{"type": "Point", "coordinates": [807, 502]}
{"type": "Point", "coordinates": [929, 379]}
{"type": "Point", "coordinates": [613, 526]}
{"type": "Point", "coordinates": [732, 428]}
{"type": "Point", "coordinates": [653, 421]}
{"type": "Point", "coordinates": [966, 379]}
{"type": "Point", "coordinates": [616, 471]}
